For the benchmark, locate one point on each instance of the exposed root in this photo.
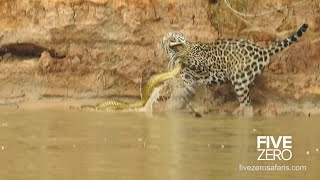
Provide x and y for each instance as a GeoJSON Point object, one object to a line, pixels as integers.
{"type": "Point", "coordinates": [246, 15]}
{"type": "Point", "coordinates": [242, 16]}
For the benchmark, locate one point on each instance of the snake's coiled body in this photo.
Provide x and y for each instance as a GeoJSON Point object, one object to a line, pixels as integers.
{"type": "Point", "coordinates": [148, 89]}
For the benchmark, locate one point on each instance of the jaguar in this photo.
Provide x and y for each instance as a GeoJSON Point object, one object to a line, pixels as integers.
{"type": "Point", "coordinates": [225, 60]}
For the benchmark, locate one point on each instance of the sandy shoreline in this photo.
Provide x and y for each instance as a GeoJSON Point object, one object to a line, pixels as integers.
{"type": "Point", "coordinates": [269, 110]}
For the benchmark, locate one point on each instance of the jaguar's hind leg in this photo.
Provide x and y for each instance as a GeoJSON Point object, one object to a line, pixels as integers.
{"type": "Point", "coordinates": [242, 91]}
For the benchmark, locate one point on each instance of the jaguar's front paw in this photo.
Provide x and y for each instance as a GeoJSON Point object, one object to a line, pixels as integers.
{"type": "Point", "coordinates": [244, 110]}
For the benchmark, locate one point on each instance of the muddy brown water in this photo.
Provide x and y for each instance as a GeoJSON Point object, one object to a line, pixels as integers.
{"type": "Point", "coordinates": [59, 144]}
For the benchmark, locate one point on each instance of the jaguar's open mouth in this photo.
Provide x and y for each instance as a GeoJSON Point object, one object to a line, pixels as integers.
{"type": "Point", "coordinates": [176, 46]}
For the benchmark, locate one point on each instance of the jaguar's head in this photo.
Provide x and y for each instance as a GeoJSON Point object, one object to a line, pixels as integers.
{"type": "Point", "coordinates": [173, 43]}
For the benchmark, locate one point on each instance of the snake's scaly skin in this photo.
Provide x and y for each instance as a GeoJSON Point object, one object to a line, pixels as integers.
{"type": "Point", "coordinates": [148, 89]}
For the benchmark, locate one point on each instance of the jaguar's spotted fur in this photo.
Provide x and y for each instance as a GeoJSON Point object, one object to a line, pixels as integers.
{"type": "Point", "coordinates": [238, 61]}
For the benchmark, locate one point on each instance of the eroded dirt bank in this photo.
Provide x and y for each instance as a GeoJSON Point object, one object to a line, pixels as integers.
{"type": "Point", "coordinates": [98, 49]}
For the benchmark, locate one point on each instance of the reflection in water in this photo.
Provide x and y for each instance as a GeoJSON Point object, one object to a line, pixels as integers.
{"type": "Point", "coordinates": [101, 145]}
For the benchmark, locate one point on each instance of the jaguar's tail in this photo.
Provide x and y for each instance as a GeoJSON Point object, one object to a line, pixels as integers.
{"type": "Point", "coordinates": [280, 45]}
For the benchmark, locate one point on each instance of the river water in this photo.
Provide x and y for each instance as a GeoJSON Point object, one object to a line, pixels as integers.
{"type": "Point", "coordinates": [57, 144]}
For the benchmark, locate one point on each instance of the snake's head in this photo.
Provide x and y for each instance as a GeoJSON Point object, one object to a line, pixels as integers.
{"type": "Point", "coordinates": [174, 45]}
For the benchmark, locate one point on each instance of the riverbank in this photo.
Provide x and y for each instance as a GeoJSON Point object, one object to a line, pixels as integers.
{"type": "Point", "coordinates": [97, 49]}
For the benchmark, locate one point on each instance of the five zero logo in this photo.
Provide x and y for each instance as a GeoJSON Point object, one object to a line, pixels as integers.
{"type": "Point", "coordinates": [272, 148]}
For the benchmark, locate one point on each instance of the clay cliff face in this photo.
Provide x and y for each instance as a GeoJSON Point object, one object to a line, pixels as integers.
{"type": "Point", "coordinates": [103, 48]}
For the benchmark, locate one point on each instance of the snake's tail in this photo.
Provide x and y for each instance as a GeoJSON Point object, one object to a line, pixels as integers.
{"type": "Point", "coordinates": [151, 84]}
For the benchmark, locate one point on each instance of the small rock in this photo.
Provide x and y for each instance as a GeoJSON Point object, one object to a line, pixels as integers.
{"type": "Point", "coordinates": [45, 62]}
{"type": "Point", "coordinates": [75, 60]}
{"type": "Point", "coordinates": [197, 115]}
{"type": "Point", "coordinates": [7, 57]}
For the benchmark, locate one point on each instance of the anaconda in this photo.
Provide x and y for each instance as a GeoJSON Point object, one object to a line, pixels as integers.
{"type": "Point", "coordinates": [148, 89]}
